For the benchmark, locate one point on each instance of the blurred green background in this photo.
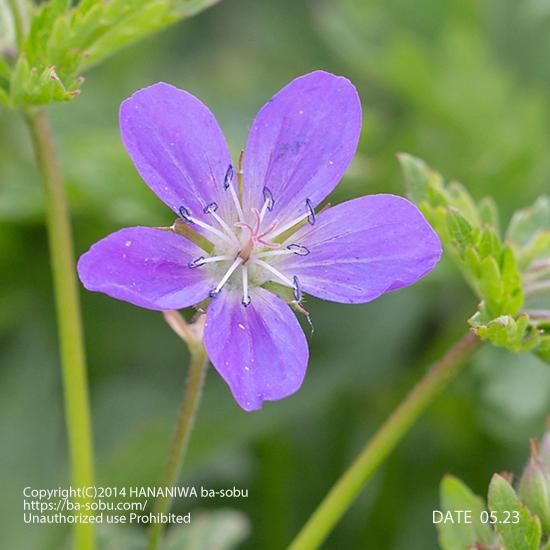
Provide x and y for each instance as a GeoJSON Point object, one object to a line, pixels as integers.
{"type": "Point", "coordinates": [464, 85]}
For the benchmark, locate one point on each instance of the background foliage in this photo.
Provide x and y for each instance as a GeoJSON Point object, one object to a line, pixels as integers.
{"type": "Point", "coordinates": [441, 80]}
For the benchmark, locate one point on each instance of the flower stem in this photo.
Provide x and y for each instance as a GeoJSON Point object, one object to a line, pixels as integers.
{"type": "Point", "coordinates": [378, 448]}
{"type": "Point", "coordinates": [75, 386]}
{"type": "Point", "coordinates": [186, 420]}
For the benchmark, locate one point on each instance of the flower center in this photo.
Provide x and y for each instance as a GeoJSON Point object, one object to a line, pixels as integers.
{"type": "Point", "coordinates": [246, 245]}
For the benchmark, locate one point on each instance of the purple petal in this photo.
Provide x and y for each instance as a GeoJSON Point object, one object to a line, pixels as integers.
{"type": "Point", "coordinates": [177, 147]}
{"type": "Point", "coordinates": [363, 248]}
{"type": "Point", "coordinates": [146, 267]}
{"type": "Point", "coordinates": [259, 350]}
{"type": "Point", "coordinates": [300, 144]}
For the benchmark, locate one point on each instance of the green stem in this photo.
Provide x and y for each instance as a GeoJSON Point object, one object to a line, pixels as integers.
{"type": "Point", "coordinates": [178, 448]}
{"type": "Point", "coordinates": [75, 386]}
{"type": "Point", "coordinates": [378, 448]}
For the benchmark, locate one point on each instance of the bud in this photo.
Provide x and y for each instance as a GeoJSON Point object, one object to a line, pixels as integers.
{"type": "Point", "coordinates": [534, 486]}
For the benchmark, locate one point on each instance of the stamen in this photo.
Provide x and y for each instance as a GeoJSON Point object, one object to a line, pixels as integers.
{"type": "Point", "coordinates": [298, 249]}
{"type": "Point", "coordinates": [275, 272]}
{"type": "Point", "coordinates": [225, 278]}
{"type": "Point", "coordinates": [228, 177]}
{"type": "Point", "coordinates": [294, 248]}
{"type": "Point", "coordinates": [197, 262]}
{"type": "Point", "coordinates": [311, 211]}
{"type": "Point", "coordinates": [227, 183]}
{"type": "Point", "coordinates": [186, 215]}
{"type": "Point", "coordinates": [209, 208]}
{"type": "Point", "coordinates": [297, 289]}
{"type": "Point", "coordinates": [269, 202]}
{"type": "Point", "coordinates": [246, 297]}
{"type": "Point", "coordinates": [201, 260]}
{"type": "Point", "coordinates": [309, 214]}
{"type": "Point", "coordinates": [212, 209]}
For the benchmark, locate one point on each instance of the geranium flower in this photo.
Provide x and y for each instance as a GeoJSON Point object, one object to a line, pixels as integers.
{"type": "Point", "coordinates": [239, 234]}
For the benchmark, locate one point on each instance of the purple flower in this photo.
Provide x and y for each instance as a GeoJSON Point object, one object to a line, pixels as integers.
{"type": "Point", "coordinates": [257, 229]}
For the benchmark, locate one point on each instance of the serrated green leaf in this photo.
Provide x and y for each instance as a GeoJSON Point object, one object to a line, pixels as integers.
{"type": "Point", "coordinates": [491, 285]}
{"type": "Point", "coordinates": [423, 183]}
{"type": "Point", "coordinates": [537, 247]}
{"type": "Point", "coordinates": [219, 530]}
{"type": "Point", "coordinates": [462, 201]}
{"type": "Point", "coordinates": [543, 350]}
{"type": "Point", "coordinates": [455, 496]}
{"type": "Point", "coordinates": [69, 39]}
{"type": "Point", "coordinates": [518, 335]}
{"type": "Point", "coordinates": [488, 213]}
{"type": "Point", "coordinates": [488, 242]}
{"type": "Point", "coordinates": [471, 236]}
{"type": "Point", "coordinates": [525, 223]}
{"type": "Point", "coordinates": [41, 25]}
{"type": "Point", "coordinates": [132, 26]}
{"type": "Point", "coordinates": [525, 534]}
{"type": "Point", "coordinates": [29, 86]}
{"type": "Point", "coordinates": [473, 262]}
{"type": "Point", "coordinates": [460, 229]}
{"type": "Point", "coordinates": [511, 281]}
{"type": "Point", "coordinates": [187, 8]}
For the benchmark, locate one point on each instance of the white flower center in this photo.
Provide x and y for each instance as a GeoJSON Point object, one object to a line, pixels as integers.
{"type": "Point", "coordinates": [247, 246]}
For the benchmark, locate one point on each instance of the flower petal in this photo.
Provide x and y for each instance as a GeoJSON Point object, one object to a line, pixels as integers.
{"type": "Point", "coordinates": [177, 147]}
{"type": "Point", "coordinates": [300, 144]}
{"type": "Point", "coordinates": [363, 248]}
{"type": "Point", "coordinates": [259, 350]}
{"type": "Point", "coordinates": [146, 267]}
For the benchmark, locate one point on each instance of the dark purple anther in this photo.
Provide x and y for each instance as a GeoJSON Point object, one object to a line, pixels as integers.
{"type": "Point", "coordinates": [212, 207]}
{"type": "Point", "coordinates": [297, 289]}
{"type": "Point", "coordinates": [298, 249]}
{"type": "Point", "coordinates": [185, 215]}
{"type": "Point", "coordinates": [268, 196]}
{"type": "Point", "coordinates": [197, 262]}
{"type": "Point", "coordinates": [228, 177]}
{"type": "Point", "coordinates": [311, 214]}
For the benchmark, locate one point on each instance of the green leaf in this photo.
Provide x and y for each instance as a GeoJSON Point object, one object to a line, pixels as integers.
{"type": "Point", "coordinates": [65, 40]}
{"type": "Point", "coordinates": [488, 242]}
{"type": "Point", "coordinates": [518, 335]}
{"type": "Point", "coordinates": [30, 86]}
{"type": "Point", "coordinates": [187, 8]}
{"type": "Point", "coordinates": [488, 213]}
{"type": "Point", "coordinates": [537, 247]}
{"type": "Point", "coordinates": [423, 183]}
{"type": "Point", "coordinates": [462, 201]}
{"type": "Point", "coordinates": [525, 223]}
{"type": "Point", "coordinates": [473, 262]}
{"type": "Point", "coordinates": [543, 350]}
{"type": "Point", "coordinates": [491, 285]}
{"type": "Point", "coordinates": [511, 281]}
{"type": "Point", "coordinates": [517, 528]}
{"type": "Point", "coordinates": [219, 530]}
{"type": "Point", "coordinates": [460, 229]}
{"type": "Point", "coordinates": [455, 496]}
